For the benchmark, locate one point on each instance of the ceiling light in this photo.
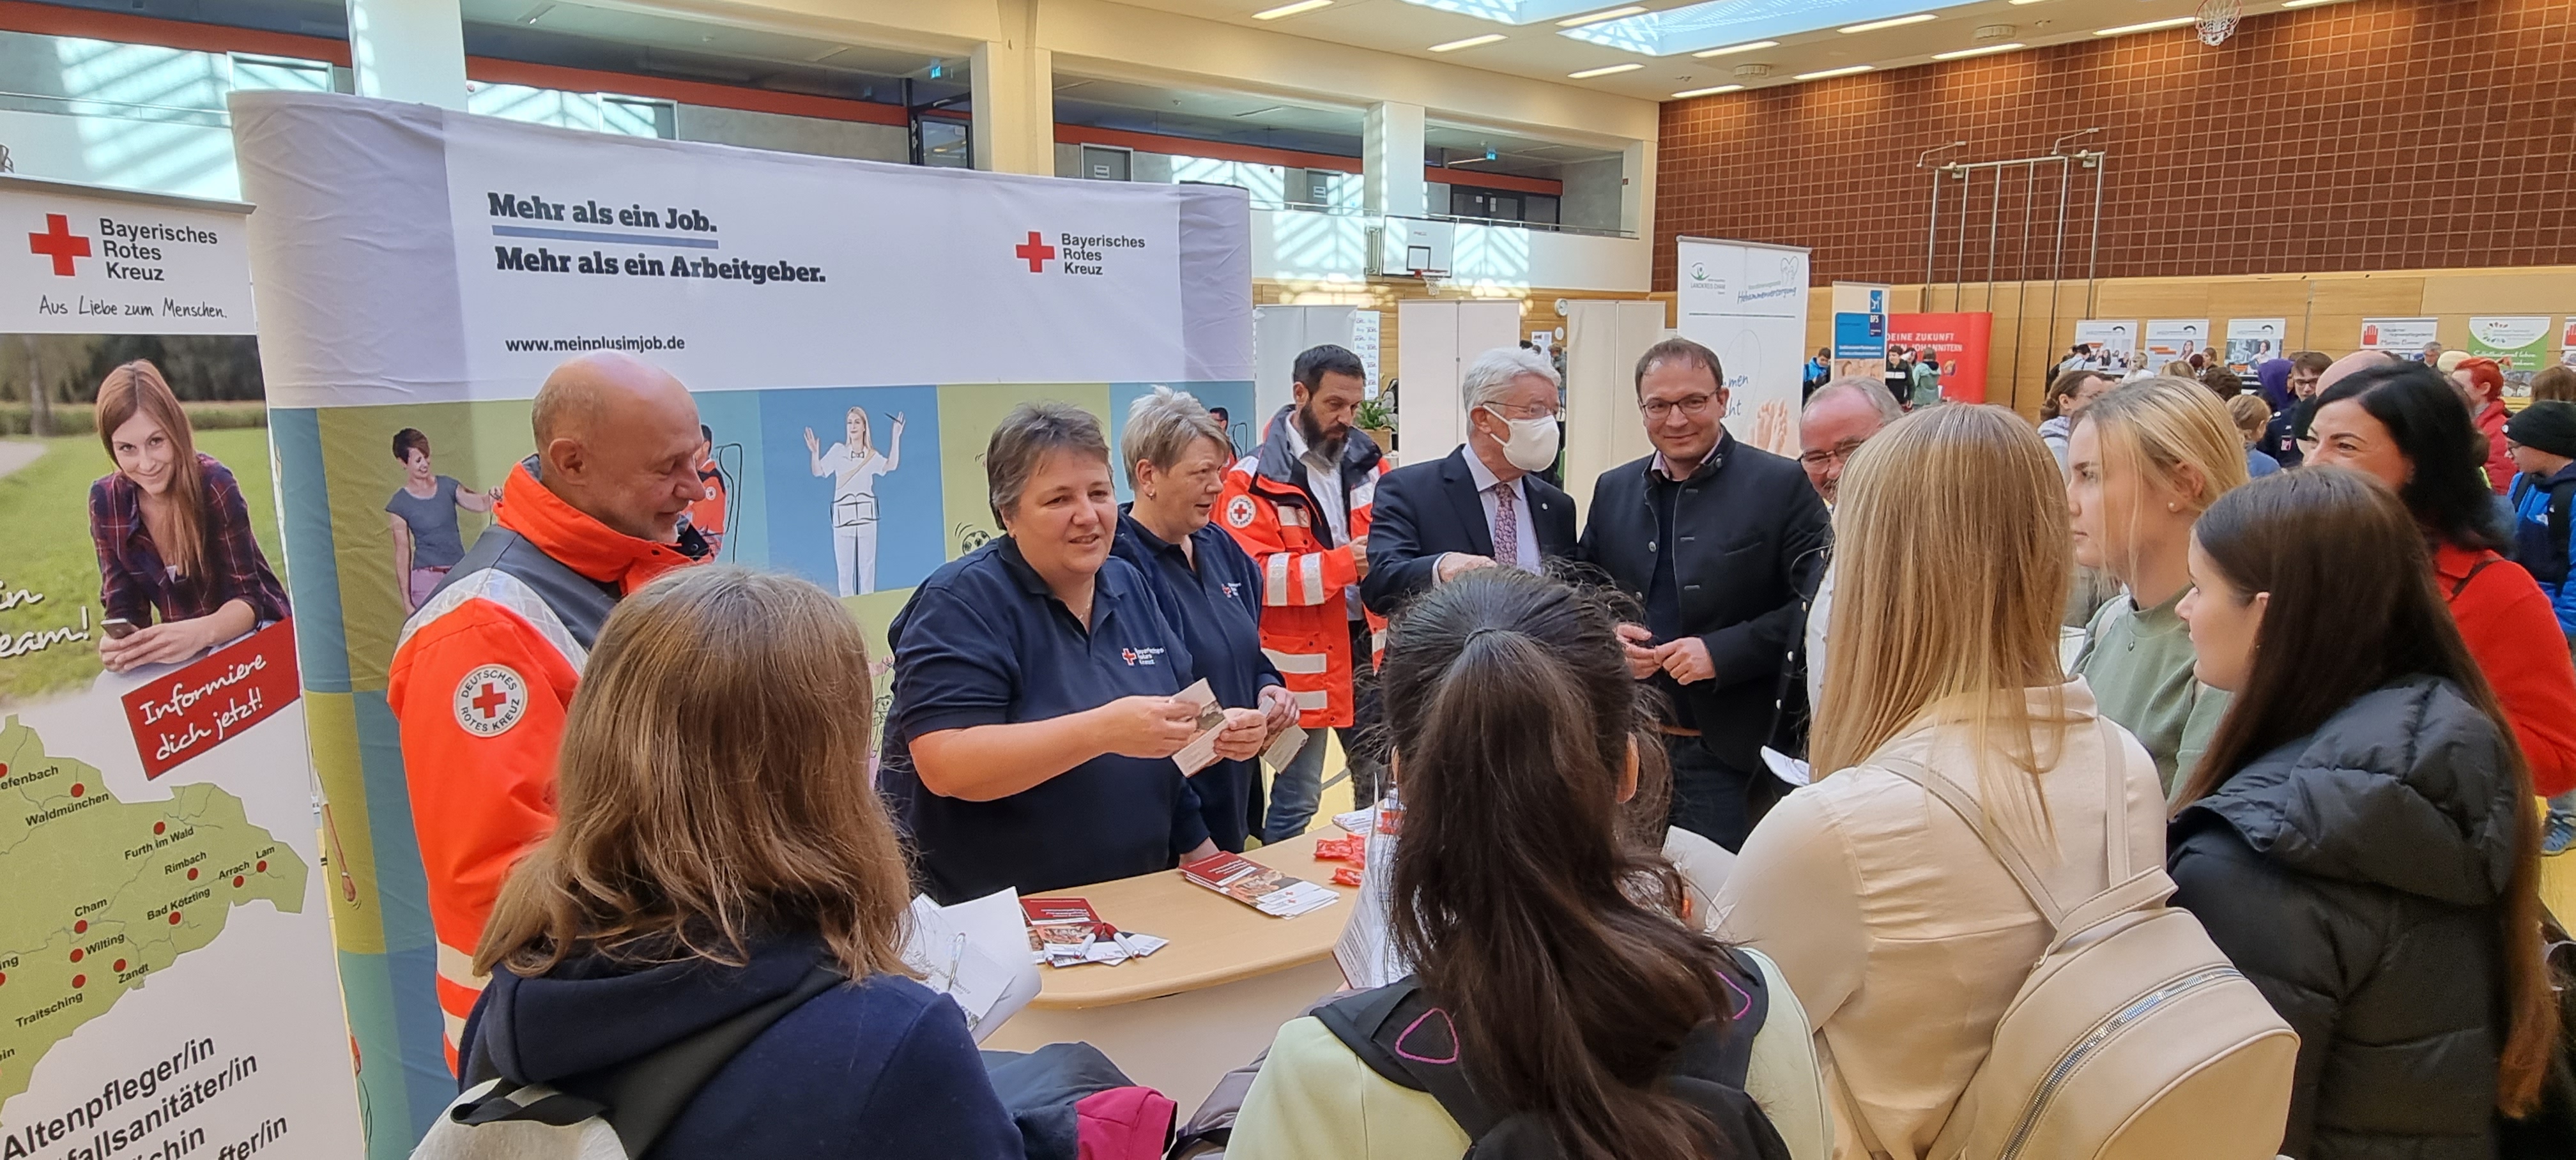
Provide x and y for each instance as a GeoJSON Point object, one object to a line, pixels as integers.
{"type": "Point", "coordinates": [1736, 48]}
{"type": "Point", "coordinates": [1966, 52]}
{"type": "Point", "coordinates": [1844, 71]}
{"type": "Point", "coordinates": [1709, 92]}
{"type": "Point", "coordinates": [2285, 4]}
{"type": "Point", "coordinates": [2150, 26]}
{"type": "Point", "coordinates": [1875, 25]}
{"type": "Point", "coordinates": [1291, 9]}
{"type": "Point", "coordinates": [1470, 42]}
{"type": "Point", "coordinates": [2025, 1]}
{"type": "Point", "coordinates": [1598, 17]}
{"type": "Point", "coordinates": [1605, 70]}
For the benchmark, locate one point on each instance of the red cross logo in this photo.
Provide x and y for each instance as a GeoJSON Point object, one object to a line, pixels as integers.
{"type": "Point", "coordinates": [490, 700]}
{"type": "Point", "coordinates": [1034, 251]}
{"type": "Point", "coordinates": [62, 245]}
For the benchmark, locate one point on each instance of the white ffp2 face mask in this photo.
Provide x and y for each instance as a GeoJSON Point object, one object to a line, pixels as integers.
{"type": "Point", "coordinates": [1532, 446]}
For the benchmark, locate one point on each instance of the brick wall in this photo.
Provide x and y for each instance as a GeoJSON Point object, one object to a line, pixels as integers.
{"type": "Point", "coordinates": [2372, 135]}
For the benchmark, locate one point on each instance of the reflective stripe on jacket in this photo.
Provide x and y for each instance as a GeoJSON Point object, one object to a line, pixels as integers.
{"type": "Point", "coordinates": [1306, 578]}
{"type": "Point", "coordinates": [480, 684]}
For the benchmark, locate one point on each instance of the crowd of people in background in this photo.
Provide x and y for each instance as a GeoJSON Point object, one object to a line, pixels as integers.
{"type": "Point", "coordinates": [1706, 809]}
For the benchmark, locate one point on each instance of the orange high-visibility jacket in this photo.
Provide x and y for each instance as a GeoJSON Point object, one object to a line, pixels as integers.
{"type": "Point", "coordinates": [480, 684]}
{"type": "Point", "coordinates": [1305, 577]}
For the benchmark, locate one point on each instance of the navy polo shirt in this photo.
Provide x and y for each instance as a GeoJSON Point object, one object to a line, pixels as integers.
{"type": "Point", "coordinates": [1218, 606]}
{"type": "Point", "coordinates": [982, 642]}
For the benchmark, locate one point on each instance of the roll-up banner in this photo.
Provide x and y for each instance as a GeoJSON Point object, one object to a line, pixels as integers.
{"type": "Point", "coordinates": [1747, 301]}
{"type": "Point", "coordinates": [1963, 342]}
{"type": "Point", "coordinates": [166, 974]}
{"type": "Point", "coordinates": [852, 332]}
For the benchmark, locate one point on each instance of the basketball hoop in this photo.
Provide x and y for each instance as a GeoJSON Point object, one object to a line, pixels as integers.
{"type": "Point", "coordinates": [2218, 20]}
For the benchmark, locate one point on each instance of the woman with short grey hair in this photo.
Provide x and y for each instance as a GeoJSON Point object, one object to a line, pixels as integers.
{"type": "Point", "coordinates": [1176, 463]}
{"type": "Point", "coordinates": [1035, 699]}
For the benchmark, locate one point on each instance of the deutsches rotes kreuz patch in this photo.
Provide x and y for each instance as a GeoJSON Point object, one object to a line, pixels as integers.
{"type": "Point", "coordinates": [490, 700]}
{"type": "Point", "coordinates": [1238, 511]}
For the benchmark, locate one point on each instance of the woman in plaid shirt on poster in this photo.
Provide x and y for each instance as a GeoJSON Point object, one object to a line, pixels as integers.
{"type": "Point", "coordinates": [172, 532]}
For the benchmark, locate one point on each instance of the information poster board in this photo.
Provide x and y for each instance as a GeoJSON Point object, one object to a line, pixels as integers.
{"type": "Point", "coordinates": [2399, 336]}
{"type": "Point", "coordinates": [1747, 301]}
{"type": "Point", "coordinates": [1962, 342]}
{"type": "Point", "coordinates": [2519, 344]}
{"type": "Point", "coordinates": [167, 982]}
{"type": "Point", "coordinates": [2251, 342]}
{"type": "Point", "coordinates": [2114, 342]}
{"type": "Point", "coordinates": [852, 332]}
{"type": "Point", "coordinates": [2176, 340]}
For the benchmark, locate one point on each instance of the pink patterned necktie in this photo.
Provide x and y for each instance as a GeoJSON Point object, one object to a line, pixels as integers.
{"type": "Point", "coordinates": [1507, 526]}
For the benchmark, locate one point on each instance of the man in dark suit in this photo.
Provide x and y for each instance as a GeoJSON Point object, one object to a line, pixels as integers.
{"type": "Point", "coordinates": [1486, 504]}
{"type": "Point", "coordinates": [1718, 540]}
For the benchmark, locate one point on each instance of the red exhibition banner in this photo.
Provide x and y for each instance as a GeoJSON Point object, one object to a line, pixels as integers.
{"type": "Point", "coordinates": [1961, 341]}
{"type": "Point", "coordinates": [182, 714]}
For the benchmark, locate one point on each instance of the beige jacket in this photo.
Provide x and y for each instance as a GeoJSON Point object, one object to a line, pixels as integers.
{"type": "Point", "coordinates": [1902, 935]}
{"type": "Point", "coordinates": [1314, 1100]}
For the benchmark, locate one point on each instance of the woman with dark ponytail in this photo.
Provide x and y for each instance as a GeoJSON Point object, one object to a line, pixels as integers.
{"type": "Point", "coordinates": [1551, 944]}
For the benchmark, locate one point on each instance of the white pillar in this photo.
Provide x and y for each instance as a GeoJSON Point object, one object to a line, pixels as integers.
{"type": "Point", "coordinates": [1637, 189]}
{"type": "Point", "coordinates": [408, 50]}
{"type": "Point", "coordinates": [1013, 90]}
{"type": "Point", "coordinates": [1391, 162]}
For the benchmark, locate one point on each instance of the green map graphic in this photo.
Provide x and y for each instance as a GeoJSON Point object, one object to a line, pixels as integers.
{"type": "Point", "coordinates": [101, 894]}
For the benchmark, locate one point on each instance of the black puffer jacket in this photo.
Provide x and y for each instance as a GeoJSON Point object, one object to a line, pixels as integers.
{"type": "Point", "coordinates": [2355, 875]}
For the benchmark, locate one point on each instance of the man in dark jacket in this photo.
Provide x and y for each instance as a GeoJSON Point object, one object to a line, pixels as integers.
{"type": "Point", "coordinates": [2355, 875]}
{"type": "Point", "coordinates": [1480, 506]}
{"type": "Point", "coordinates": [1719, 540]}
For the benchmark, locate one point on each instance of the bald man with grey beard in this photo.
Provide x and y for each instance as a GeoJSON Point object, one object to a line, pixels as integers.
{"type": "Point", "coordinates": [484, 673]}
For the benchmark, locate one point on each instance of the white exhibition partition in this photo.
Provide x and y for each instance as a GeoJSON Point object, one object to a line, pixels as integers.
{"type": "Point", "coordinates": [1603, 339]}
{"type": "Point", "coordinates": [1438, 339]}
{"type": "Point", "coordinates": [1748, 302]}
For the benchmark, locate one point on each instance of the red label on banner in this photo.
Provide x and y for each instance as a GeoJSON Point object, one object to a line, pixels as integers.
{"type": "Point", "coordinates": [182, 714]}
{"type": "Point", "coordinates": [1961, 341]}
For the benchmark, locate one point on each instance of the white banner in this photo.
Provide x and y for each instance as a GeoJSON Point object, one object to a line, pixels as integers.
{"type": "Point", "coordinates": [2400, 336]}
{"type": "Point", "coordinates": [733, 268]}
{"type": "Point", "coordinates": [1748, 302]}
{"type": "Point", "coordinates": [167, 971]}
{"type": "Point", "coordinates": [2251, 342]}
{"type": "Point", "coordinates": [100, 261]}
{"type": "Point", "coordinates": [2176, 339]}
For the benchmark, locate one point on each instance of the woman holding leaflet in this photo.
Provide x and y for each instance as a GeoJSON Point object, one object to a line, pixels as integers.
{"type": "Point", "coordinates": [1036, 678]}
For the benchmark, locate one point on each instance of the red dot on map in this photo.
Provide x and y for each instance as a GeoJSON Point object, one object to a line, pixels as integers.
{"type": "Point", "coordinates": [80, 980]}
{"type": "Point", "coordinates": [4, 977]}
{"type": "Point", "coordinates": [174, 918]}
{"type": "Point", "coordinates": [237, 880]}
{"type": "Point", "coordinates": [76, 954]}
{"type": "Point", "coordinates": [262, 867]}
{"type": "Point", "coordinates": [79, 789]}
{"type": "Point", "coordinates": [192, 873]}
{"type": "Point", "coordinates": [80, 926]}
{"type": "Point", "coordinates": [120, 964]}
{"type": "Point", "coordinates": [160, 827]}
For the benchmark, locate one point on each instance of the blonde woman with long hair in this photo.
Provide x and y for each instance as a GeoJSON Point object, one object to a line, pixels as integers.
{"type": "Point", "coordinates": [2142, 463]}
{"type": "Point", "coordinates": [1901, 933]}
{"type": "Point", "coordinates": [718, 842]}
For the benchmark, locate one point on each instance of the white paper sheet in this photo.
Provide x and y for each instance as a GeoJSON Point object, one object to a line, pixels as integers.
{"type": "Point", "coordinates": [975, 953]}
{"type": "Point", "coordinates": [1789, 769]}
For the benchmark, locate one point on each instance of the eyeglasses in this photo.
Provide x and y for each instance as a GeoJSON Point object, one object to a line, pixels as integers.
{"type": "Point", "coordinates": [1694, 406]}
{"type": "Point", "coordinates": [1522, 411]}
{"type": "Point", "coordinates": [1840, 453]}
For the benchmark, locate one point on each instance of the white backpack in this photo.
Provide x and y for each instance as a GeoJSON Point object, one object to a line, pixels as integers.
{"type": "Point", "coordinates": [2133, 1038]}
{"type": "Point", "coordinates": [613, 1114]}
